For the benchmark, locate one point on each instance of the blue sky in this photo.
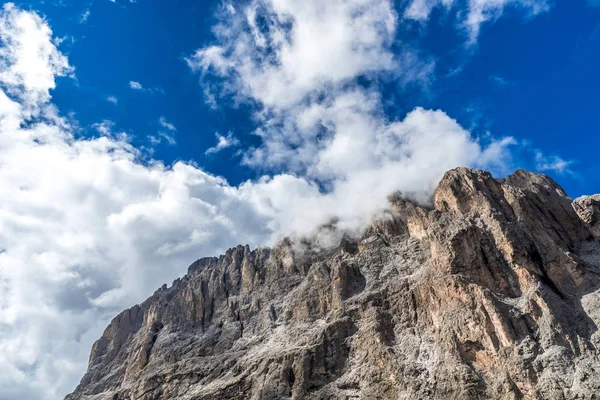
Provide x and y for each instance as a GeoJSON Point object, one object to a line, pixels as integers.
{"type": "Point", "coordinates": [136, 137]}
{"type": "Point", "coordinates": [532, 78]}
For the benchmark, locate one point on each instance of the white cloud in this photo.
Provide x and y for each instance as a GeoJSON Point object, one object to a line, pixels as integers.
{"type": "Point", "coordinates": [482, 11]}
{"type": "Point", "coordinates": [166, 124]}
{"type": "Point", "coordinates": [22, 52]}
{"type": "Point", "coordinates": [497, 155]}
{"type": "Point", "coordinates": [86, 228]}
{"type": "Point", "coordinates": [500, 81]}
{"type": "Point", "coordinates": [135, 85]}
{"type": "Point", "coordinates": [421, 9]}
{"type": "Point", "coordinates": [315, 119]}
{"type": "Point", "coordinates": [160, 136]}
{"type": "Point", "coordinates": [139, 87]}
{"type": "Point", "coordinates": [167, 133]}
{"type": "Point", "coordinates": [223, 142]}
{"type": "Point", "coordinates": [112, 99]}
{"type": "Point", "coordinates": [355, 35]}
{"type": "Point", "coordinates": [409, 156]}
{"type": "Point", "coordinates": [104, 128]}
{"type": "Point", "coordinates": [551, 163]}
{"type": "Point", "coordinates": [85, 16]}
{"type": "Point", "coordinates": [472, 14]}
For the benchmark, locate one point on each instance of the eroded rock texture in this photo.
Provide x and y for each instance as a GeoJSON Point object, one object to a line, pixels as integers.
{"type": "Point", "coordinates": [492, 293]}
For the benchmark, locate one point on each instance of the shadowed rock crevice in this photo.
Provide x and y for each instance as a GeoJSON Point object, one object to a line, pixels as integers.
{"type": "Point", "coordinates": [492, 292]}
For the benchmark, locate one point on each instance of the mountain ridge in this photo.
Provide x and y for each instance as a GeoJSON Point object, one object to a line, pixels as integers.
{"type": "Point", "coordinates": [490, 293]}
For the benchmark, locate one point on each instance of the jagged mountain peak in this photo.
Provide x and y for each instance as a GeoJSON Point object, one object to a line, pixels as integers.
{"type": "Point", "coordinates": [494, 292]}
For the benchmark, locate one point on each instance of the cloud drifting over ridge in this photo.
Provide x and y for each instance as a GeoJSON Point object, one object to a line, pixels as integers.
{"type": "Point", "coordinates": [88, 229]}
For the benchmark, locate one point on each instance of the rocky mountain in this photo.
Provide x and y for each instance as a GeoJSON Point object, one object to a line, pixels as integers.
{"type": "Point", "coordinates": [492, 292]}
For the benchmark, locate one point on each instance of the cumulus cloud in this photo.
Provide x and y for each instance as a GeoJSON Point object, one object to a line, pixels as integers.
{"type": "Point", "coordinates": [223, 142]}
{"type": "Point", "coordinates": [87, 229]}
{"type": "Point", "coordinates": [408, 156]}
{"type": "Point", "coordinates": [354, 34]}
{"type": "Point", "coordinates": [472, 14]}
{"type": "Point", "coordinates": [316, 120]}
{"type": "Point", "coordinates": [21, 54]}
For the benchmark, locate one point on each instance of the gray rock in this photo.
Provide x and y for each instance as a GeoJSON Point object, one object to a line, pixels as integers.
{"type": "Point", "coordinates": [492, 293]}
{"type": "Point", "coordinates": [588, 208]}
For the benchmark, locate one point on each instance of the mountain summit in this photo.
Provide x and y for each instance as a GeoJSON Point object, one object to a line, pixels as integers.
{"type": "Point", "coordinates": [493, 292]}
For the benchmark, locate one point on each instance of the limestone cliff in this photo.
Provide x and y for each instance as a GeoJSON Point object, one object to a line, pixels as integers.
{"type": "Point", "coordinates": [493, 292]}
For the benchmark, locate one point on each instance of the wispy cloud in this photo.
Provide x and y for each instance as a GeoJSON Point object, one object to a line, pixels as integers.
{"type": "Point", "coordinates": [223, 142]}
{"type": "Point", "coordinates": [104, 128]}
{"type": "Point", "coordinates": [500, 81]}
{"type": "Point", "coordinates": [139, 87]}
{"type": "Point", "coordinates": [160, 136]}
{"type": "Point", "coordinates": [421, 9]}
{"type": "Point", "coordinates": [166, 124]}
{"type": "Point", "coordinates": [85, 16]}
{"type": "Point", "coordinates": [473, 14]}
{"type": "Point", "coordinates": [552, 163]}
{"type": "Point", "coordinates": [112, 99]}
{"type": "Point", "coordinates": [167, 133]}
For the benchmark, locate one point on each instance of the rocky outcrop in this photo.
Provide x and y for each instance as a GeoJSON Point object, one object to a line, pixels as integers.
{"type": "Point", "coordinates": [491, 293]}
{"type": "Point", "coordinates": [588, 208]}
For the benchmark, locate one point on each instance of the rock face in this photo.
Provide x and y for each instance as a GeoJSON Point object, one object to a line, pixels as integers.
{"type": "Point", "coordinates": [588, 208]}
{"type": "Point", "coordinates": [493, 293]}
